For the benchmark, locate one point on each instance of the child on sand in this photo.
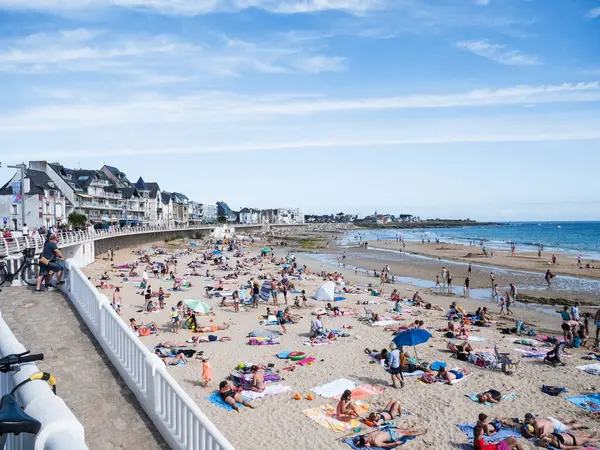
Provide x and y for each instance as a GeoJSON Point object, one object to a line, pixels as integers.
{"type": "Point", "coordinates": [206, 371]}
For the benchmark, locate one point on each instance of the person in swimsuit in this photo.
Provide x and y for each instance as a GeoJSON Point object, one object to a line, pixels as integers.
{"type": "Point", "coordinates": [448, 376]}
{"type": "Point", "coordinates": [550, 425]}
{"type": "Point", "coordinates": [391, 411]}
{"type": "Point", "coordinates": [232, 398]}
{"type": "Point", "coordinates": [258, 379]}
{"type": "Point", "coordinates": [462, 351]}
{"type": "Point", "coordinates": [479, 442]}
{"type": "Point", "coordinates": [571, 440]}
{"type": "Point", "coordinates": [491, 428]}
{"type": "Point", "coordinates": [389, 438]}
{"type": "Point", "coordinates": [492, 396]}
{"type": "Point", "coordinates": [346, 409]}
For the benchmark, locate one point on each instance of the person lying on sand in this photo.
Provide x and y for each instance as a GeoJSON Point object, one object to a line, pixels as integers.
{"type": "Point", "coordinates": [550, 425]}
{"type": "Point", "coordinates": [448, 376]}
{"type": "Point", "coordinates": [209, 328]}
{"type": "Point", "coordinates": [390, 438]}
{"type": "Point", "coordinates": [492, 396]}
{"type": "Point", "coordinates": [462, 351]}
{"type": "Point", "coordinates": [480, 444]}
{"type": "Point", "coordinates": [171, 360]}
{"type": "Point", "coordinates": [140, 329]}
{"type": "Point", "coordinates": [572, 440]}
{"type": "Point", "coordinates": [391, 411]}
{"type": "Point", "coordinates": [491, 428]}
{"type": "Point", "coordinates": [346, 409]}
{"type": "Point", "coordinates": [232, 398]}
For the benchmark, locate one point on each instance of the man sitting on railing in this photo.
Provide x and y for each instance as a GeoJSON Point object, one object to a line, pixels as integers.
{"type": "Point", "coordinates": [50, 264]}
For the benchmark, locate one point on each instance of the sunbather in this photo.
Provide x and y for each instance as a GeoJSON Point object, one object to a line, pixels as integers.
{"type": "Point", "coordinates": [230, 397]}
{"type": "Point", "coordinates": [480, 444]}
{"type": "Point", "coordinates": [572, 440]}
{"type": "Point", "coordinates": [462, 351]}
{"type": "Point", "coordinates": [491, 428]}
{"type": "Point", "coordinates": [391, 411]}
{"type": "Point", "coordinates": [388, 438]}
{"type": "Point", "coordinates": [492, 396]}
{"type": "Point", "coordinates": [346, 409]}
{"type": "Point", "coordinates": [258, 379]}
{"type": "Point", "coordinates": [448, 376]}
{"type": "Point", "coordinates": [171, 360]}
{"type": "Point", "coordinates": [550, 425]}
{"type": "Point", "coordinates": [213, 328]}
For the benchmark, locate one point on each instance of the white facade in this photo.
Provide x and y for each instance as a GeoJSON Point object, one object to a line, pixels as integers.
{"type": "Point", "coordinates": [249, 216]}
{"type": "Point", "coordinates": [208, 212]}
{"type": "Point", "coordinates": [44, 206]}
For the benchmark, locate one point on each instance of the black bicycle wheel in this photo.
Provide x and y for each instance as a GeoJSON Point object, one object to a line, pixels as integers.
{"type": "Point", "coordinates": [30, 272]}
{"type": "Point", "coordinates": [3, 275]}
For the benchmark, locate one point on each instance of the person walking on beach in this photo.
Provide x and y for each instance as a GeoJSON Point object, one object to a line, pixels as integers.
{"type": "Point", "coordinates": [495, 291]}
{"type": "Point", "coordinates": [437, 282]}
{"type": "Point", "coordinates": [501, 305]}
{"type": "Point", "coordinates": [549, 277]}
{"type": "Point", "coordinates": [469, 271]}
{"type": "Point", "coordinates": [578, 260]}
{"type": "Point", "coordinates": [395, 366]}
{"type": "Point", "coordinates": [492, 279]}
{"type": "Point", "coordinates": [467, 287]}
{"type": "Point", "coordinates": [449, 280]}
{"type": "Point", "coordinates": [255, 294]}
{"type": "Point", "coordinates": [513, 292]}
{"type": "Point", "coordinates": [597, 320]}
{"type": "Point", "coordinates": [444, 273]}
{"type": "Point", "coordinates": [509, 302]}
{"type": "Point", "coordinates": [553, 259]}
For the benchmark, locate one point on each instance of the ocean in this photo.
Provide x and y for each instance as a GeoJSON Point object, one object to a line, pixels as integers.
{"type": "Point", "coordinates": [571, 237]}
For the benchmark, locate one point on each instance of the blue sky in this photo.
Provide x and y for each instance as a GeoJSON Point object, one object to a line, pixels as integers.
{"type": "Point", "coordinates": [480, 108]}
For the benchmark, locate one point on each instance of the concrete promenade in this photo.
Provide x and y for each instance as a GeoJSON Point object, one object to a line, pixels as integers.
{"type": "Point", "coordinates": [86, 380]}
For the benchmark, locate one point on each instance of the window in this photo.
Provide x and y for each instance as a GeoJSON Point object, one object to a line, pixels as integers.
{"type": "Point", "coordinates": [15, 209]}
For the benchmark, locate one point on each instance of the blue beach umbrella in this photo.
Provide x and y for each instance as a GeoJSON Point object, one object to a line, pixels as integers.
{"type": "Point", "coordinates": [412, 338]}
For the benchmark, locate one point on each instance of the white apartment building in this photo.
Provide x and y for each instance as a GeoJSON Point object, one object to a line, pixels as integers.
{"type": "Point", "coordinates": [44, 203]}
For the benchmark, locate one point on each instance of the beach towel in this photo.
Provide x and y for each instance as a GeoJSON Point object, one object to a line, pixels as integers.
{"type": "Point", "coordinates": [338, 299]}
{"type": "Point", "coordinates": [476, 339]}
{"type": "Point", "coordinates": [263, 341]}
{"type": "Point", "coordinates": [270, 389]}
{"type": "Point", "coordinates": [499, 436]}
{"type": "Point", "coordinates": [590, 402]}
{"type": "Point", "coordinates": [215, 399]}
{"type": "Point", "coordinates": [592, 369]}
{"type": "Point", "coordinates": [306, 361]}
{"type": "Point", "coordinates": [473, 396]}
{"type": "Point", "coordinates": [437, 365]}
{"type": "Point", "coordinates": [318, 342]}
{"type": "Point", "coordinates": [350, 442]}
{"type": "Point", "coordinates": [384, 323]}
{"type": "Point", "coordinates": [531, 353]}
{"type": "Point", "coordinates": [285, 354]}
{"type": "Point", "coordinates": [334, 388]}
{"type": "Point", "coordinates": [325, 416]}
{"type": "Point", "coordinates": [365, 391]}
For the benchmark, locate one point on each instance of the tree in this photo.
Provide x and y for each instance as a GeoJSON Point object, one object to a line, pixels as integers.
{"type": "Point", "coordinates": [77, 220]}
{"type": "Point", "coordinates": [221, 220]}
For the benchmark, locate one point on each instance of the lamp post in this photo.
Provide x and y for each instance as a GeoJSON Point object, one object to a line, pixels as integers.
{"type": "Point", "coordinates": [22, 168]}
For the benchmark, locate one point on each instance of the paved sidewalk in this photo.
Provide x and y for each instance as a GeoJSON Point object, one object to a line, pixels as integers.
{"type": "Point", "coordinates": [86, 380]}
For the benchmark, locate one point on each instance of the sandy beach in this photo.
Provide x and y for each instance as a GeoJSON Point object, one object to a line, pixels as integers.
{"type": "Point", "coordinates": [278, 421]}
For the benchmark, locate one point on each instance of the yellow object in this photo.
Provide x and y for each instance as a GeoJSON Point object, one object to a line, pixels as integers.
{"type": "Point", "coordinates": [309, 397]}
{"type": "Point", "coordinates": [297, 397]}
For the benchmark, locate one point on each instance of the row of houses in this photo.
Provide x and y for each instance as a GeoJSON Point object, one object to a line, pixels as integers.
{"type": "Point", "coordinates": [51, 192]}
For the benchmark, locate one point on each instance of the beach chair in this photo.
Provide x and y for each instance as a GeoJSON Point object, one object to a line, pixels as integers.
{"type": "Point", "coordinates": [505, 361]}
{"type": "Point", "coordinates": [368, 313]}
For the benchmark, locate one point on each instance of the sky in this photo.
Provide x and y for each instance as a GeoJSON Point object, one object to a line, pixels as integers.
{"type": "Point", "coordinates": [487, 109]}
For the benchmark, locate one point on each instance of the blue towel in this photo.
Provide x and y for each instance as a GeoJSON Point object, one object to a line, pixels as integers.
{"type": "Point", "coordinates": [338, 299]}
{"type": "Point", "coordinates": [588, 402]}
{"type": "Point", "coordinates": [216, 399]}
{"type": "Point", "coordinates": [473, 396]}
{"type": "Point", "coordinates": [350, 442]}
{"type": "Point", "coordinates": [499, 436]}
{"type": "Point", "coordinates": [285, 354]}
{"type": "Point", "coordinates": [437, 365]}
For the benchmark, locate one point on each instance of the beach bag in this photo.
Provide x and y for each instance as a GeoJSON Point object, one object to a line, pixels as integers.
{"type": "Point", "coordinates": [144, 332]}
{"type": "Point", "coordinates": [44, 261]}
{"type": "Point", "coordinates": [450, 335]}
{"type": "Point", "coordinates": [553, 390]}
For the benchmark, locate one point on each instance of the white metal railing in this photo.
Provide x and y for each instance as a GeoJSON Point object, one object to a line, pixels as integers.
{"type": "Point", "coordinates": [60, 428]}
{"type": "Point", "coordinates": [14, 245]}
{"type": "Point", "coordinates": [180, 421]}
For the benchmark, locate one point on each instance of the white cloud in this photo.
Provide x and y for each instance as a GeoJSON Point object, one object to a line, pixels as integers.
{"type": "Point", "coordinates": [498, 53]}
{"type": "Point", "coordinates": [197, 7]}
{"type": "Point", "coordinates": [159, 59]}
{"type": "Point", "coordinates": [219, 107]}
{"type": "Point", "coordinates": [593, 13]}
